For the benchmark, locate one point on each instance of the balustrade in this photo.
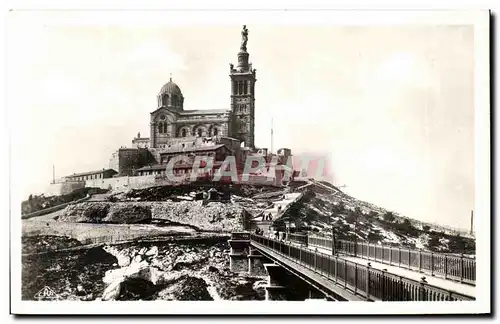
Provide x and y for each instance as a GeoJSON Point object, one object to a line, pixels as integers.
{"type": "Point", "coordinates": [373, 284]}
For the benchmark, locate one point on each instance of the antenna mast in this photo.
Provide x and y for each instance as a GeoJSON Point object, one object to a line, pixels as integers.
{"type": "Point", "coordinates": [53, 173]}
{"type": "Point", "coordinates": [272, 118]}
{"type": "Point", "coordinates": [472, 222]}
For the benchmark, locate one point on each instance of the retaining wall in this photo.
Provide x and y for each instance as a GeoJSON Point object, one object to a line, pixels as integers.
{"type": "Point", "coordinates": [141, 182]}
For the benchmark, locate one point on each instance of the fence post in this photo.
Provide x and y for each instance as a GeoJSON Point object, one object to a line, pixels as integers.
{"type": "Point", "coordinates": [419, 260]}
{"type": "Point", "coordinates": [445, 266]}
{"type": "Point", "coordinates": [336, 266]}
{"type": "Point", "coordinates": [329, 262]}
{"type": "Point", "coordinates": [422, 295]}
{"type": "Point", "coordinates": [461, 267]}
{"type": "Point", "coordinates": [345, 274]}
{"type": "Point", "coordinates": [432, 263]}
{"type": "Point", "coordinates": [367, 285]}
{"type": "Point", "coordinates": [383, 283]}
{"type": "Point", "coordinates": [355, 278]}
{"type": "Point", "coordinates": [401, 296]}
{"type": "Point", "coordinates": [315, 258]}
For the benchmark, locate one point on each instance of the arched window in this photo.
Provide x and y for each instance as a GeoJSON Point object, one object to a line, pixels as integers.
{"type": "Point", "coordinates": [174, 100]}
{"type": "Point", "coordinates": [245, 87]}
{"type": "Point", "coordinates": [199, 132]}
{"type": "Point", "coordinates": [184, 132]}
{"type": "Point", "coordinates": [160, 127]}
{"type": "Point", "coordinates": [164, 100]}
{"type": "Point", "coordinates": [215, 131]}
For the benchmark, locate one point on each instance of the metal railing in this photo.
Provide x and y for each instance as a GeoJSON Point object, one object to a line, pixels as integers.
{"type": "Point", "coordinates": [459, 268]}
{"type": "Point", "coordinates": [322, 242]}
{"type": "Point", "coordinates": [240, 236]}
{"type": "Point", "coordinates": [298, 238]}
{"type": "Point", "coordinates": [362, 280]}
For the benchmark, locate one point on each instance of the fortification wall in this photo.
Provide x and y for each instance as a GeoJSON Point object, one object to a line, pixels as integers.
{"type": "Point", "coordinates": [140, 182]}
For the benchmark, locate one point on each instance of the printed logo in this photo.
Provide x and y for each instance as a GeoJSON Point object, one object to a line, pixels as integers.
{"type": "Point", "coordinates": [46, 294]}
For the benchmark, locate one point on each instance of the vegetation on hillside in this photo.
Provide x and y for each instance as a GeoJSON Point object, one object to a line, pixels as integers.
{"type": "Point", "coordinates": [322, 214]}
{"type": "Point", "coordinates": [40, 202]}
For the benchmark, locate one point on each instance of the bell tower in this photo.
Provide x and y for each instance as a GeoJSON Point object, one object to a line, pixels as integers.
{"type": "Point", "coordinates": [243, 95]}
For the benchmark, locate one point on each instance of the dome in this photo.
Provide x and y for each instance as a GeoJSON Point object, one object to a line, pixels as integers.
{"type": "Point", "coordinates": [171, 88]}
{"type": "Point", "coordinates": [171, 96]}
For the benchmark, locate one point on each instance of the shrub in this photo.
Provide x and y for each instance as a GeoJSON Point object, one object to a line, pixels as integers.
{"type": "Point", "coordinates": [338, 208]}
{"type": "Point", "coordinates": [433, 243]}
{"type": "Point", "coordinates": [389, 217]}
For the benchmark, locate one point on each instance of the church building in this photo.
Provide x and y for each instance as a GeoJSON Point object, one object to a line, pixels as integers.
{"type": "Point", "coordinates": [175, 130]}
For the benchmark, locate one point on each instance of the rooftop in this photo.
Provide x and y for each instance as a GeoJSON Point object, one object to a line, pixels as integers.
{"type": "Point", "coordinates": [193, 149]}
{"type": "Point", "coordinates": [156, 167]}
{"type": "Point", "coordinates": [89, 173]}
{"type": "Point", "coordinates": [203, 112]}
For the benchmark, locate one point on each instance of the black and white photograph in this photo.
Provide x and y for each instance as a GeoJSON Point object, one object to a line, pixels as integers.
{"type": "Point", "coordinates": [249, 162]}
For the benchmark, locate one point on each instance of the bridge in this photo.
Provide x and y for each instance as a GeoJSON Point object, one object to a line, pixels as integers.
{"type": "Point", "coordinates": [302, 267]}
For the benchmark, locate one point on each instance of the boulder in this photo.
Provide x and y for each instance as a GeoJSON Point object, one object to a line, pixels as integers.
{"type": "Point", "coordinates": [137, 258]}
{"type": "Point", "coordinates": [112, 291]}
{"type": "Point", "coordinates": [122, 256]}
{"type": "Point", "coordinates": [153, 251]}
{"type": "Point", "coordinates": [127, 214]}
{"type": "Point", "coordinates": [85, 212]}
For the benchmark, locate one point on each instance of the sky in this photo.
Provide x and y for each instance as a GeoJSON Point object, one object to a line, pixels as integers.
{"type": "Point", "coordinates": [392, 106]}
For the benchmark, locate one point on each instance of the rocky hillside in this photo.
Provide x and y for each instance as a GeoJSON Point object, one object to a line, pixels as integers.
{"type": "Point", "coordinates": [319, 212]}
{"type": "Point", "coordinates": [141, 271]}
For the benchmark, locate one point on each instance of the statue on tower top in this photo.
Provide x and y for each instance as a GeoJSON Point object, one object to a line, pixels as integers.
{"type": "Point", "coordinates": [244, 38]}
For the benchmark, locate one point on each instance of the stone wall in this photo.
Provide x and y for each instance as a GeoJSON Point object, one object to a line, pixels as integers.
{"type": "Point", "coordinates": [124, 183]}
{"type": "Point", "coordinates": [141, 182]}
{"type": "Point", "coordinates": [90, 233]}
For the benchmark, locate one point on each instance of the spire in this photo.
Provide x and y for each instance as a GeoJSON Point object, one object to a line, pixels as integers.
{"type": "Point", "coordinates": [170, 76]}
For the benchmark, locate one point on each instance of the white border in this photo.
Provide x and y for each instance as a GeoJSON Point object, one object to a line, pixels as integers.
{"type": "Point", "coordinates": [480, 19]}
